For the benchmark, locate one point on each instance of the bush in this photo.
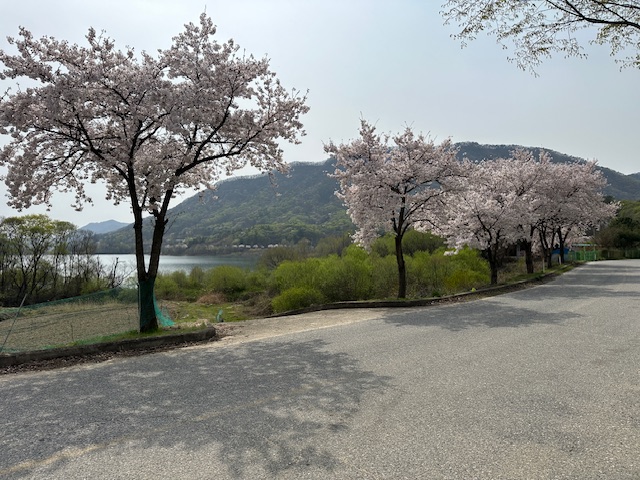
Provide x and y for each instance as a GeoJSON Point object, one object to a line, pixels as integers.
{"type": "Point", "coordinates": [469, 270]}
{"type": "Point", "coordinates": [166, 288]}
{"type": "Point", "coordinates": [179, 286]}
{"type": "Point", "coordinates": [273, 257]}
{"type": "Point", "coordinates": [291, 274]}
{"type": "Point", "coordinates": [437, 274]}
{"type": "Point", "coordinates": [229, 280]}
{"type": "Point", "coordinates": [426, 274]}
{"type": "Point", "coordinates": [127, 295]}
{"type": "Point", "coordinates": [463, 280]}
{"type": "Point", "coordinates": [197, 276]}
{"type": "Point", "coordinates": [295, 298]}
{"type": "Point", "coordinates": [346, 278]}
{"type": "Point", "coordinates": [412, 242]}
{"type": "Point", "coordinates": [384, 276]}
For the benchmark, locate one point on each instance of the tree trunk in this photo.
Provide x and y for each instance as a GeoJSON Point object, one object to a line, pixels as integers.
{"type": "Point", "coordinates": [528, 255]}
{"type": "Point", "coordinates": [493, 265]}
{"type": "Point", "coordinates": [561, 239]}
{"type": "Point", "coordinates": [547, 246]}
{"type": "Point", "coordinates": [146, 281]}
{"type": "Point", "coordinates": [147, 305]}
{"type": "Point", "coordinates": [492, 256]}
{"type": "Point", "coordinates": [147, 275]}
{"type": "Point", "coordinates": [402, 269]}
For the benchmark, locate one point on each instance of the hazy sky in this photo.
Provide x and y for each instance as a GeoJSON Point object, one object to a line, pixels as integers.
{"type": "Point", "coordinates": [391, 62]}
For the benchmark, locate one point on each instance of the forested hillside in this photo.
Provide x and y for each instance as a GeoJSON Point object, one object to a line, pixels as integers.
{"type": "Point", "coordinates": [252, 211]}
{"type": "Point", "coordinates": [258, 211]}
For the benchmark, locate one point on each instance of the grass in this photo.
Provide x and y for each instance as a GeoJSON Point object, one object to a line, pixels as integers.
{"type": "Point", "coordinates": [83, 323]}
{"type": "Point", "coordinates": [194, 312]}
{"type": "Point", "coordinates": [65, 324]}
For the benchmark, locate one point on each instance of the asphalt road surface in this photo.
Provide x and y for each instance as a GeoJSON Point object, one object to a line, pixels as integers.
{"type": "Point", "coordinates": [539, 384]}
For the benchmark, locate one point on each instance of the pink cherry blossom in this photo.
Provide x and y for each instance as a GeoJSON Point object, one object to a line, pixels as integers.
{"type": "Point", "coordinates": [391, 184]}
{"type": "Point", "coordinates": [147, 126]}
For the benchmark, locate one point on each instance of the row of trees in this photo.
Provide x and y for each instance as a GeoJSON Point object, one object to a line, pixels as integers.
{"type": "Point", "coordinates": [393, 184]}
{"type": "Point", "coordinates": [150, 127]}
{"type": "Point", "coordinates": [527, 201]}
{"type": "Point", "coordinates": [43, 259]}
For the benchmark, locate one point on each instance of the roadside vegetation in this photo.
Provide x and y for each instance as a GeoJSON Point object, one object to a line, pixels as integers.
{"type": "Point", "coordinates": [42, 259]}
{"type": "Point", "coordinates": [289, 278]}
{"type": "Point", "coordinates": [285, 279]}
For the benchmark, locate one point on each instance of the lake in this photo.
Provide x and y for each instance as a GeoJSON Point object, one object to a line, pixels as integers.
{"type": "Point", "coordinates": [172, 263]}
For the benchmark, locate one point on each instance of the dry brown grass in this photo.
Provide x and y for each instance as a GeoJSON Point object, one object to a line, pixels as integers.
{"type": "Point", "coordinates": [65, 324]}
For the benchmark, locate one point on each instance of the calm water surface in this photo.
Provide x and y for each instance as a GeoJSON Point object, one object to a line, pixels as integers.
{"type": "Point", "coordinates": [172, 263]}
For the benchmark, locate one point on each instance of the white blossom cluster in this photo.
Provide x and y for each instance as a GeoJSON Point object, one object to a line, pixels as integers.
{"type": "Point", "coordinates": [148, 126]}
{"type": "Point", "coordinates": [391, 184]}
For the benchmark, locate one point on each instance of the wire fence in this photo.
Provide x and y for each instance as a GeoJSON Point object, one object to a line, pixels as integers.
{"type": "Point", "coordinates": [68, 321]}
{"type": "Point", "coordinates": [590, 254]}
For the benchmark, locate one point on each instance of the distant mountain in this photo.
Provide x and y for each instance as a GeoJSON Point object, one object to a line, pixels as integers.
{"type": "Point", "coordinates": [260, 211]}
{"type": "Point", "coordinates": [104, 227]}
{"type": "Point", "coordinates": [251, 211]}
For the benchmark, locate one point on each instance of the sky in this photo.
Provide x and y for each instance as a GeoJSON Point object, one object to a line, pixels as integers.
{"type": "Point", "coordinates": [391, 62]}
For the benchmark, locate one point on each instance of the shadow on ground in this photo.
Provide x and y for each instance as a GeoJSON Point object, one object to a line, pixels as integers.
{"type": "Point", "coordinates": [486, 313]}
{"type": "Point", "coordinates": [260, 407]}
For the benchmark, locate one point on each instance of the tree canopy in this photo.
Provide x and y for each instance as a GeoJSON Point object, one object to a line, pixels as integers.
{"type": "Point", "coordinates": [523, 199]}
{"type": "Point", "coordinates": [390, 184]}
{"type": "Point", "coordinates": [537, 29]}
{"type": "Point", "coordinates": [146, 126]}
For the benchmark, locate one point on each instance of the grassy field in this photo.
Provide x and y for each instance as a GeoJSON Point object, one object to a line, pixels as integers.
{"type": "Point", "coordinates": [63, 324]}
{"type": "Point", "coordinates": [89, 322]}
{"type": "Point", "coordinates": [92, 321]}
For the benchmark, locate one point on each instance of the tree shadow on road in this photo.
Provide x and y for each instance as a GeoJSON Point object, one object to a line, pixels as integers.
{"type": "Point", "coordinates": [480, 313]}
{"type": "Point", "coordinates": [592, 281]}
{"type": "Point", "coordinates": [262, 407]}
{"type": "Point", "coordinates": [601, 279]}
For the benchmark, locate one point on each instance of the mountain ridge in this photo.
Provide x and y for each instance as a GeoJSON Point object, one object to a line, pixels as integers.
{"type": "Point", "coordinates": [259, 210]}
{"type": "Point", "coordinates": [104, 227]}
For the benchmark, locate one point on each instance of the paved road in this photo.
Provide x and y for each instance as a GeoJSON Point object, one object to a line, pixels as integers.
{"type": "Point", "coordinates": [539, 384]}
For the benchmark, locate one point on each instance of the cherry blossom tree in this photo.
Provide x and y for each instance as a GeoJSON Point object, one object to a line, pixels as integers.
{"type": "Point", "coordinates": [485, 211]}
{"type": "Point", "coordinates": [523, 199]}
{"type": "Point", "coordinates": [391, 184]}
{"type": "Point", "coordinates": [537, 29]}
{"type": "Point", "coordinates": [148, 127]}
{"type": "Point", "coordinates": [571, 202]}
{"type": "Point", "coordinates": [527, 179]}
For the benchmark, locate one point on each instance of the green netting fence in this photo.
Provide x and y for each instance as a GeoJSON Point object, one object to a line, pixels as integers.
{"type": "Point", "coordinates": [590, 254]}
{"type": "Point", "coordinates": [83, 319]}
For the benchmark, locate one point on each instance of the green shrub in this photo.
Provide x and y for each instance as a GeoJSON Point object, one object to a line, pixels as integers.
{"type": "Point", "coordinates": [273, 257]}
{"type": "Point", "coordinates": [384, 246]}
{"type": "Point", "coordinates": [414, 241]}
{"type": "Point", "coordinates": [291, 274]}
{"type": "Point", "coordinates": [197, 276]}
{"type": "Point", "coordinates": [127, 295]}
{"type": "Point", "coordinates": [384, 276]}
{"type": "Point", "coordinates": [346, 278]}
{"type": "Point", "coordinates": [462, 280]}
{"type": "Point", "coordinates": [468, 270]}
{"type": "Point", "coordinates": [426, 273]}
{"type": "Point", "coordinates": [166, 288]}
{"type": "Point", "coordinates": [295, 298]}
{"type": "Point", "coordinates": [227, 279]}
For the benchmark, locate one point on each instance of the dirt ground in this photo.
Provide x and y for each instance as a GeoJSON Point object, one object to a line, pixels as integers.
{"type": "Point", "coordinates": [228, 334]}
{"type": "Point", "coordinates": [234, 333]}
